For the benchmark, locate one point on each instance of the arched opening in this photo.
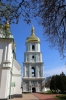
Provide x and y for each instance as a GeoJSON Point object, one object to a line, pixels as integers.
{"type": "Point", "coordinates": [33, 72]}
{"type": "Point", "coordinates": [33, 89]}
{"type": "Point", "coordinates": [32, 57]}
{"type": "Point", "coordinates": [33, 47]}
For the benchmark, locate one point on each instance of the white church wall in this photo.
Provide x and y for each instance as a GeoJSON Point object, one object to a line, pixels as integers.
{"type": "Point", "coordinates": [6, 47]}
{"type": "Point", "coordinates": [16, 78]}
{"type": "Point", "coordinates": [5, 53]}
{"type": "Point", "coordinates": [0, 76]}
{"type": "Point", "coordinates": [16, 70]}
{"type": "Point", "coordinates": [10, 54]}
{"type": "Point", "coordinates": [17, 89]}
{"type": "Point", "coordinates": [4, 84]}
{"type": "Point", "coordinates": [8, 82]}
{"type": "Point", "coordinates": [1, 53]}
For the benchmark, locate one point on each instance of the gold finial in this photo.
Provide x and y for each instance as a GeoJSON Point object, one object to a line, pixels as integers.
{"type": "Point", "coordinates": [7, 25]}
{"type": "Point", "coordinates": [32, 31]}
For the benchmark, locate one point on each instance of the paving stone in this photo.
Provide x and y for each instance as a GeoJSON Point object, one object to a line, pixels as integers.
{"type": "Point", "coordinates": [28, 96]}
{"type": "Point", "coordinates": [45, 96]}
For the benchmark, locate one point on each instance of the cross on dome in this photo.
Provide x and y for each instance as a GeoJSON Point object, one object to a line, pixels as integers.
{"type": "Point", "coordinates": [32, 37]}
{"type": "Point", "coordinates": [32, 31]}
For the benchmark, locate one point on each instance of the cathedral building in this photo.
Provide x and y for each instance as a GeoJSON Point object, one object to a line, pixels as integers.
{"type": "Point", "coordinates": [33, 72]}
{"type": "Point", "coordinates": [10, 70]}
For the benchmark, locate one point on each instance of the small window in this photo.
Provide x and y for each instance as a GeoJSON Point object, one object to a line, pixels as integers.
{"type": "Point", "coordinates": [32, 57]}
{"type": "Point", "coordinates": [33, 47]}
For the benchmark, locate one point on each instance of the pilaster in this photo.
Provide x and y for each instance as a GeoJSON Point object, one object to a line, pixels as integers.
{"type": "Point", "coordinates": [5, 54]}
{"type": "Point", "coordinates": [36, 71]}
{"type": "Point", "coordinates": [29, 71]}
{"type": "Point", "coordinates": [24, 71]}
{"type": "Point", "coordinates": [42, 71]}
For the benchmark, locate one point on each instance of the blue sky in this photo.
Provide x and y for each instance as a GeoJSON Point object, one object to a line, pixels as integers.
{"type": "Point", "coordinates": [53, 64]}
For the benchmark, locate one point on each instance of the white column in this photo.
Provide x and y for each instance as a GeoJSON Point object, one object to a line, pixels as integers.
{"type": "Point", "coordinates": [30, 86]}
{"type": "Point", "coordinates": [30, 47]}
{"type": "Point", "coordinates": [42, 70]}
{"type": "Point", "coordinates": [5, 52]}
{"type": "Point", "coordinates": [35, 47]}
{"type": "Point", "coordinates": [30, 71]}
{"type": "Point", "coordinates": [39, 47]}
{"type": "Point", "coordinates": [41, 57]}
{"type": "Point", "coordinates": [8, 52]}
{"type": "Point", "coordinates": [26, 47]}
{"type": "Point", "coordinates": [36, 57]}
{"type": "Point", "coordinates": [26, 57]}
{"type": "Point", "coordinates": [30, 57]}
{"type": "Point", "coordinates": [37, 71]}
{"type": "Point", "coordinates": [24, 71]}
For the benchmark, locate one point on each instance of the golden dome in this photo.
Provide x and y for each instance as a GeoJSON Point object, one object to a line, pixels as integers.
{"type": "Point", "coordinates": [7, 25]}
{"type": "Point", "coordinates": [32, 38]}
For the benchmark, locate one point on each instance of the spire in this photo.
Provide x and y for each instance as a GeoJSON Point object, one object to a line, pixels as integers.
{"type": "Point", "coordinates": [32, 31]}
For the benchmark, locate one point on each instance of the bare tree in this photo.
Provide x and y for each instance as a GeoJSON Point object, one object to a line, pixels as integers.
{"type": "Point", "coordinates": [51, 14]}
{"type": "Point", "coordinates": [12, 10]}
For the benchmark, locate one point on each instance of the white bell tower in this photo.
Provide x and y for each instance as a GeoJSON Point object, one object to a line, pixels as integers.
{"type": "Point", "coordinates": [33, 79]}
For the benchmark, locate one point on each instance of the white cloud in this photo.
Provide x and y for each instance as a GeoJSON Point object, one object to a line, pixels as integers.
{"type": "Point", "coordinates": [54, 71]}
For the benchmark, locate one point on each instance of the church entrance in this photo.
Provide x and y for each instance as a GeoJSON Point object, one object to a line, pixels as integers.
{"type": "Point", "coordinates": [33, 89]}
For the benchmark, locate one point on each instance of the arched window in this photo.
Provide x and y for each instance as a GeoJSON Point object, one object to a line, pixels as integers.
{"type": "Point", "coordinates": [33, 47]}
{"type": "Point", "coordinates": [32, 57]}
{"type": "Point", "coordinates": [33, 72]}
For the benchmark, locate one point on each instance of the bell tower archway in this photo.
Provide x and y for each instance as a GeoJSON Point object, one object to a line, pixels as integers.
{"type": "Point", "coordinates": [33, 89]}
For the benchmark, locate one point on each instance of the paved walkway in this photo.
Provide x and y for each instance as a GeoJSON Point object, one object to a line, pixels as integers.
{"type": "Point", "coordinates": [28, 96]}
{"type": "Point", "coordinates": [45, 96]}
{"type": "Point", "coordinates": [37, 96]}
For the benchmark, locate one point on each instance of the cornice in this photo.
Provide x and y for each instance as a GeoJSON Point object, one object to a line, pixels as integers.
{"type": "Point", "coordinates": [33, 62]}
{"type": "Point", "coordinates": [33, 78]}
{"type": "Point", "coordinates": [7, 39]}
{"type": "Point", "coordinates": [16, 74]}
{"type": "Point", "coordinates": [32, 52]}
{"type": "Point", "coordinates": [5, 68]}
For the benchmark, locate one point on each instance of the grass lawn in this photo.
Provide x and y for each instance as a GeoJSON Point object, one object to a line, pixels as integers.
{"type": "Point", "coordinates": [61, 97]}
{"type": "Point", "coordinates": [48, 92]}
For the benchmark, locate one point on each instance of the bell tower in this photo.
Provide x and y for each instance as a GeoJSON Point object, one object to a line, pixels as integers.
{"type": "Point", "coordinates": [33, 79]}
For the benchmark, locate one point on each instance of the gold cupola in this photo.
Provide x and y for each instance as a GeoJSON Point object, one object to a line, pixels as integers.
{"type": "Point", "coordinates": [32, 38]}
{"type": "Point", "coordinates": [7, 25]}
